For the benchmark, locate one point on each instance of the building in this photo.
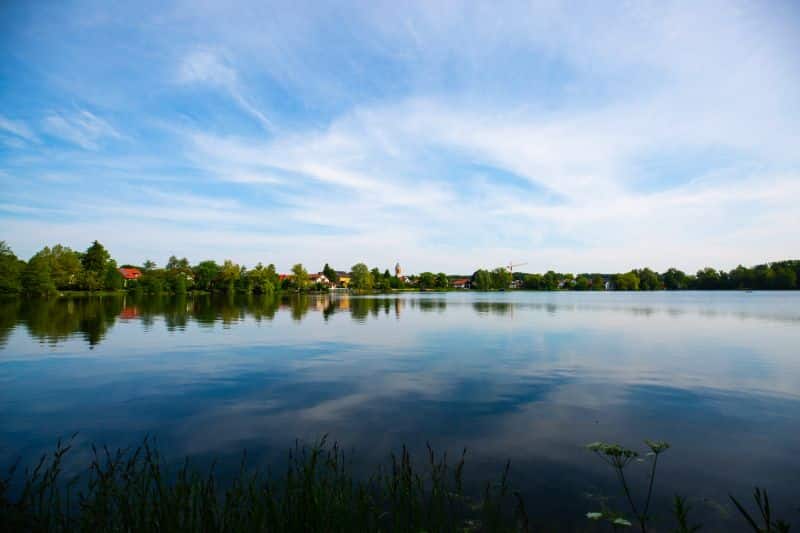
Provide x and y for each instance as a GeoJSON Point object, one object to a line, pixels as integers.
{"type": "Point", "coordinates": [398, 272]}
{"type": "Point", "coordinates": [320, 278]}
{"type": "Point", "coordinates": [344, 278]}
{"type": "Point", "coordinates": [129, 274]}
{"type": "Point", "coordinates": [461, 283]}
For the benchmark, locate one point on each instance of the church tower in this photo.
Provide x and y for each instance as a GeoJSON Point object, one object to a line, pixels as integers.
{"type": "Point", "coordinates": [397, 270]}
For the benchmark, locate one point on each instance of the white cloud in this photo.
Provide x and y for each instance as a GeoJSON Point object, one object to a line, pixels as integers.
{"type": "Point", "coordinates": [18, 128]}
{"type": "Point", "coordinates": [82, 128]}
{"type": "Point", "coordinates": [453, 136]}
{"type": "Point", "coordinates": [204, 66]}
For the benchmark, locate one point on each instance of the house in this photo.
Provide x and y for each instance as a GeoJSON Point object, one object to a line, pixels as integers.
{"type": "Point", "coordinates": [461, 283]}
{"type": "Point", "coordinates": [516, 284]}
{"type": "Point", "coordinates": [344, 278]}
{"type": "Point", "coordinates": [320, 278]}
{"type": "Point", "coordinates": [129, 274]}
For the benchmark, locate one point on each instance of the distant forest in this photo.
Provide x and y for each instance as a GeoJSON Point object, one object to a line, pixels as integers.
{"type": "Point", "coordinates": [59, 268]}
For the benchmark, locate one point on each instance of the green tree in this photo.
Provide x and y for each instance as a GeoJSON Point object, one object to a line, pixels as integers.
{"type": "Point", "coordinates": [112, 279]}
{"type": "Point", "coordinates": [227, 277]}
{"type": "Point", "coordinates": [36, 277]}
{"type": "Point", "coordinates": [708, 279]}
{"type": "Point", "coordinates": [583, 283]}
{"type": "Point", "coordinates": [261, 281]}
{"type": "Point", "coordinates": [96, 258]}
{"type": "Point", "coordinates": [785, 278]}
{"type": "Point", "coordinates": [179, 284]}
{"type": "Point", "coordinates": [377, 280]}
{"type": "Point", "coordinates": [648, 280]}
{"type": "Point", "coordinates": [153, 281]}
{"type": "Point", "coordinates": [675, 280]}
{"type": "Point", "coordinates": [598, 283]}
{"type": "Point", "coordinates": [626, 282]}
{"type": "Point", "coordinates": [482, 280]}
{"type": "Point", "coordinates": [331, 274]}
{"type": "Point", "coordinates": [501, 278]}
{"type": "Point", "coordinates": [532, 282]}
{"type": "Point", "coordinates": [148, 265]}
{"type": "Point", "coordinates": [442, 282]}
{"type": "Point", "coordinates": [96, 263]}
{"type": "Point", "coordinates": [550, 281]}
{"type": "Point", "coordinates": [205, 274]}
{"type": "Point", "coordinates": [65, 266]}
{"type": "Point", "coordinates": [11, 268]}
{"type": "Point", "coordinates": [244, 284]}
{"type": "Point", "coordinates": [300, 278]}
{"type": "Point", "coordinates": [360, 277]}
{"type": "Point", "coordinates": [427, 280]}
{"type": "Point", "coordinates": [177, 264]}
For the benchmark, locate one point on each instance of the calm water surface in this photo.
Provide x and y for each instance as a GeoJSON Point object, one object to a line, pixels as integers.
{"type": "Point", "coordinates": [530, 377]}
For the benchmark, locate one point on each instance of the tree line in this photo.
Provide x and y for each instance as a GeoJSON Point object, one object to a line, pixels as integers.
{"type": "Point", "coordinates": [59, 268]}
{"type": "Point", "coordinates": [780, 275]}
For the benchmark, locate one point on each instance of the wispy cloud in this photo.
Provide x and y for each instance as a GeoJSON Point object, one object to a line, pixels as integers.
{"type": "Point", "coordinates": [18, 128]}
{"type": "Point", "coordinates": [82, 128]}
{"type": "Point", "coordinates": [204, 66]}
{"type": "Point", "coordinates": [446, 136]}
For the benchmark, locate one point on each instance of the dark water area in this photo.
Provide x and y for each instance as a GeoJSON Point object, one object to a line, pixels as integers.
{"type": "Point", "coordinates": [530, 377]}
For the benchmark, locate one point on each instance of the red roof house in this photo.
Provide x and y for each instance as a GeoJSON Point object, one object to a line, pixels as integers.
{"type": "Point", "coordinates": [130, 273]}
{"type": "Point", "coordinates": [461, 283]}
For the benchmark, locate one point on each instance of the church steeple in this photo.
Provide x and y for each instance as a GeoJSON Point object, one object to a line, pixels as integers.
{"type": "Point", "coordinates": [397, 270]}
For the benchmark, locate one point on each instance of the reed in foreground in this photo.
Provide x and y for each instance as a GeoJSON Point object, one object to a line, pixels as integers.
{"type": "Point", "coordinates": [134, 490]}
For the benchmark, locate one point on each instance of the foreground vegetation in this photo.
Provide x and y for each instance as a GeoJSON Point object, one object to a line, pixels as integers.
{"type": "Point", "coordinates": [61, 269]}
{"type": "Point", "coordinates": [135, 490]}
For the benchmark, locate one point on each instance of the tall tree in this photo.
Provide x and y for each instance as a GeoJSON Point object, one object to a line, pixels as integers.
{"type": "Point", "coordinates": [427, 280]}
{"type": "Point", "coordinates": [708, 279]}
{"type": "Point", "coordinates": [583, 283]}
{"type": "Point", "coordinates": [550, 280]}
{"type": "Point", "coordinates": [482, 280]}
{"type": "Point", "coordinates": [177, 264]}
{"type": "Point", "coordinates": [205, 274]}
{"type": "Point", "coordinates": [626, 282]}
{"type": "Point", "coordinates": [11, 268]}
{"type": "Point", "coordinates": [300, 277]}
{"type": "Point", "coordinates": [501, 278]}
{"type": "Point", "coordinates": [260, 280]}
{"type": "Point", "coordinates": [532, 282]}
{"type": "Point", "coordinates": [360, 277]}
{"type": "Point", "coordinates": [96, 258]}
{"type": "Point", "coordinates": [330, 273]}
{"type": "Point", "coordinates": [675, 279]}
{"type": "Point", "coordinates": [65, 267]}
{"type": "Point", "coordinates": [36, 277]}
{"type": "Point", "coordinates": [441, 281]}
{"type": "Point", "coordinates": [648, 280]}
{"type": "Point", "coordinates": [228, 276]}
{"type": "Point", "coordinates": [97, 263]}
{"type": "Point", "coordinates": [113, 280]}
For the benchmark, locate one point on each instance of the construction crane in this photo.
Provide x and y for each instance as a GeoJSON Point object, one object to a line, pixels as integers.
{"type": "Point", "coordinates": [510, 266]}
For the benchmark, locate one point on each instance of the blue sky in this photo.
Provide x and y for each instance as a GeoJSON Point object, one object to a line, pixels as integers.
{"type": "Point", "coordinates": [445, 135]}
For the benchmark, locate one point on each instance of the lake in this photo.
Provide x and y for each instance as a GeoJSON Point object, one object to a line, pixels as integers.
{"type": "Point", "coordinates": [530, 377]}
